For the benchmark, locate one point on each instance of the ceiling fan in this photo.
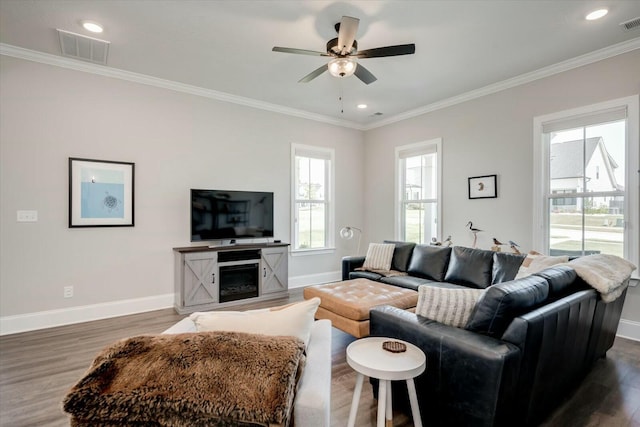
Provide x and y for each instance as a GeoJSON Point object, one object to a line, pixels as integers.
{"type": "Point", "coordinates": [344, 51]}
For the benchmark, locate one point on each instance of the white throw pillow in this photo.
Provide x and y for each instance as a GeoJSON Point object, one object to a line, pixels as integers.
{"type": "Point", "coordinates": [379, 256]}
{"type": "Point", "coordinates": [290, 320]}
{"type": "Point", "coordinates": [535, 261]}
{"type": "Point", "coordinates": [449, 306]}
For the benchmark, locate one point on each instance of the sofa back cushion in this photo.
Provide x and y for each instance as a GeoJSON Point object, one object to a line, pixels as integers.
{"type": "Point", "coordinates": [561, 279]}
{"type": "Point", "coordinates": [429, 262]}
{"type": "Point", "coordinates": [505, 266]}
{"type": "Point", "coordinates": [501, 303]}
{"type": "Point", "coordinates": [470, 267]}
{"type": "Point", "coordinates": [401, 255]}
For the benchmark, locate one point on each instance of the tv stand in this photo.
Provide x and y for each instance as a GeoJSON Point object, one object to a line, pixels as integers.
{"type": "Point", "coordinates": [210, 277]}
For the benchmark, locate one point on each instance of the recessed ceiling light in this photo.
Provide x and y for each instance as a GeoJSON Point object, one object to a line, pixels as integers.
{"type": "Point", "coordinates": [596, 14]}
{"type": "Point", "coordinates": [92, 26]}
{"type": "Point", "coordinates": [362, 106]}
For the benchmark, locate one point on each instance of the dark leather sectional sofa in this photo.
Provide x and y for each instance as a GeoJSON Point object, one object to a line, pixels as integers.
{"type": "Point", "coordinates": [528, 343]}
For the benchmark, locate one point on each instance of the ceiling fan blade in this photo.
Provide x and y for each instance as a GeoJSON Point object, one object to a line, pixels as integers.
{"type": "Point", "coordinates": [401, 49]}
{"type": "Point", "coordinates": [364, 75]}
{"type": "Point", "coordinates": [299, 51]}
{"type": "Point", "coordinates": [347, 34]}
{"type": "Point", "coordinates": [312, 75]}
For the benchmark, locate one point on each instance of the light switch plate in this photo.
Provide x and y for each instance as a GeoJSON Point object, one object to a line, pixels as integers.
{"type": "Point", "coordinates": [27, 216]}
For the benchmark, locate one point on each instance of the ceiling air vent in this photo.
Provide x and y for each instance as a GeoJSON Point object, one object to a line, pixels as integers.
{"type": "Point", "coordinates": [82, 47]}
{"type": "Point", "coordinates": [631, 24]}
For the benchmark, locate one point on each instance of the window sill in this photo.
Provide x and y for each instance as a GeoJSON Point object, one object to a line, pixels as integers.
{"type": "Point", "coordinates": [308, 252]}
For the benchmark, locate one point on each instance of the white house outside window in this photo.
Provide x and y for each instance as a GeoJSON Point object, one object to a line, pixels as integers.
{"type": "Point", "coordinates": [312, 195]}
{"type": "Point", "coordinates": [588, 182]}
{"type": "Point", "coordinates": [418, 191]}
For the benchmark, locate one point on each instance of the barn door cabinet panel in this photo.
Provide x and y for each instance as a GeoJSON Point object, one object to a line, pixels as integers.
{"type": "Point", "coordinates": [275, 270]}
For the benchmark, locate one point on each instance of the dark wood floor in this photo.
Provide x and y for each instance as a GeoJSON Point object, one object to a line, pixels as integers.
{"type": "Point", "coordinates": [37, 369]}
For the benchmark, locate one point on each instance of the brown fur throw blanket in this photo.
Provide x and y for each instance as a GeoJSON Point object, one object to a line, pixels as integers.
{"type": "Point", "coordinates": [190, 379]}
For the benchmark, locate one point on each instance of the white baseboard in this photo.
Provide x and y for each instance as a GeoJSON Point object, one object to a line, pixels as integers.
{"type": "Point", "coordinates": [68, 316]}
{"type": "Point", "coordinates": [314, 279]}
{"type": "Point", "coordinates": [86, 313]}
{"type": "Point", "coordinates": [629, 329]}
{"type": "Point", "coordinates": [48, 319]}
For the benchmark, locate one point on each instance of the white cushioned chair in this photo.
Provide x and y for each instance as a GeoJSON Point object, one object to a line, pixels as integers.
{"type": "Point", "coordinates": [312, 404]}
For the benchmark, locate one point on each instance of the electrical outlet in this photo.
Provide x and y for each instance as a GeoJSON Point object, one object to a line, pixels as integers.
{"type": "Point", "coordinates": [68, 291]}
{"type": "Point", "coordinates": [27, 216]}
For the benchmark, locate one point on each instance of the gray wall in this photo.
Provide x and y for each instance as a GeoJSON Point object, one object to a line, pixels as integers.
{"type": "Point", "coordinates": [180, 141]}
{"type": "Point", "coordinates": [177, 141]}
{"type": "Point", "coordinates": [492, 135]}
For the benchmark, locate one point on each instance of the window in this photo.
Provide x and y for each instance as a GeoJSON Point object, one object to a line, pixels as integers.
{"type": "Point", "coordinates": [586, 197]}
{"type": "Point", "coordinates": [418, 192]}
{"type": "Point", "coordinates": [312, 194]}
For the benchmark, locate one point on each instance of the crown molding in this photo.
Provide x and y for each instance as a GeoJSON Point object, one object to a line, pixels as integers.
{"type": "Point", "coordinates": [87, 67]}
{"type": "Point", "coordinates": [570, 64]}
{"type": "Point", "coordinates": [579, 61]}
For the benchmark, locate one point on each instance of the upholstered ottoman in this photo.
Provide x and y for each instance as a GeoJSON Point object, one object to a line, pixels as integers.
{"type": "Point", "coordinates": [347, 303]}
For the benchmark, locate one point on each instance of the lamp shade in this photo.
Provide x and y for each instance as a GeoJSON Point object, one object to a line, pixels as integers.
{"type": "Point", "coordinates": [347, 234]}
{"type": "Point", "coordinates": [342, 67]}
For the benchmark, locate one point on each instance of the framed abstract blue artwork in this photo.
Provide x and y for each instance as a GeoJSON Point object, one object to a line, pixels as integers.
{"type": "Point", "coordinates": [101, 193]}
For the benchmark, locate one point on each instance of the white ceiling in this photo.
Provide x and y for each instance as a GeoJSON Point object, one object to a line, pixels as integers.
{"type": "Point", "coordinates": [225, 46]}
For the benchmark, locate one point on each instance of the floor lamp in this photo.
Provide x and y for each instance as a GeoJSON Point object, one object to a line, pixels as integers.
{"type": "Point", "coordinates": [347, 234]}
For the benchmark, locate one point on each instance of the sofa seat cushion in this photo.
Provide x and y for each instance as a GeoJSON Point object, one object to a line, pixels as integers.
{"type": "Point", "coordinates": [470, 267]}
{"type": "Point", "coordinates": [445, 305]}
{"type": "Point", "coordinates": [290, 320]}
{"type": "Point", "coordinates": [362, 274]}
{"type": "Point", "coordinates": [429, 262]}
{"type": "Point", "coordinates": [501, 303]}
{"type": "Point", "coordinates": [408, 282]}
{"type": "Point", "coordinates": [506, 266]}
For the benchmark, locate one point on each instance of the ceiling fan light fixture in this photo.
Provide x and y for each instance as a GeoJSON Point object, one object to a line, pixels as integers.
{"type": "Point", "coordinates": [342, 67]}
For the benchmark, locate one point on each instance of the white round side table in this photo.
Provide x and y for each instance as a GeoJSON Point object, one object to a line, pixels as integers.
{"type": "Point", "coordinates": [367, 357]}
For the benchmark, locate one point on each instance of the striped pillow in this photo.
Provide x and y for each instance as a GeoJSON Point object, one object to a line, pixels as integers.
{"type": "Point", "coordinates": [379, 256]}
{"type": "Point", "coordinates": [449, 306]}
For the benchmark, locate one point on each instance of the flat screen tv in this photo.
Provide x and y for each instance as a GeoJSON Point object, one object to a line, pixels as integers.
{"type": "Point", "coordinates": [222, 214]}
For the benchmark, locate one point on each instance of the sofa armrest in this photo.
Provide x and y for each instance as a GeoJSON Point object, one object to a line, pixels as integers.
{"type": "Point", "coordinates": [470, 378]}
{"type": "Point", "coordinates": [312, 405]}
{"type": "Point", "coordinates": [350, 263]}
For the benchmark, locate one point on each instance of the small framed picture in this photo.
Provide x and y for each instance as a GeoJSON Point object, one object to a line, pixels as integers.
{"type": "Point", "coordinates": [483, 187]}
{"type": "Point", "coordinates": [100, 193]}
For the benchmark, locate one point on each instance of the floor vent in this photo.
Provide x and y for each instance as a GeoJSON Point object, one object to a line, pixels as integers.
{"type": "Point", "coordinates": [82, 47]}
{"type": "Point", "coordinates": [631, 24]}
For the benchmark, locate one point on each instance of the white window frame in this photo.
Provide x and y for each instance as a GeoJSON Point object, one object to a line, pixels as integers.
{"type": "Point", "coordinates": [327, 154]}
{"type": "Point", "coordinates": [632, 181]}
{"type": "Point", "coordinates": [416, 149]}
